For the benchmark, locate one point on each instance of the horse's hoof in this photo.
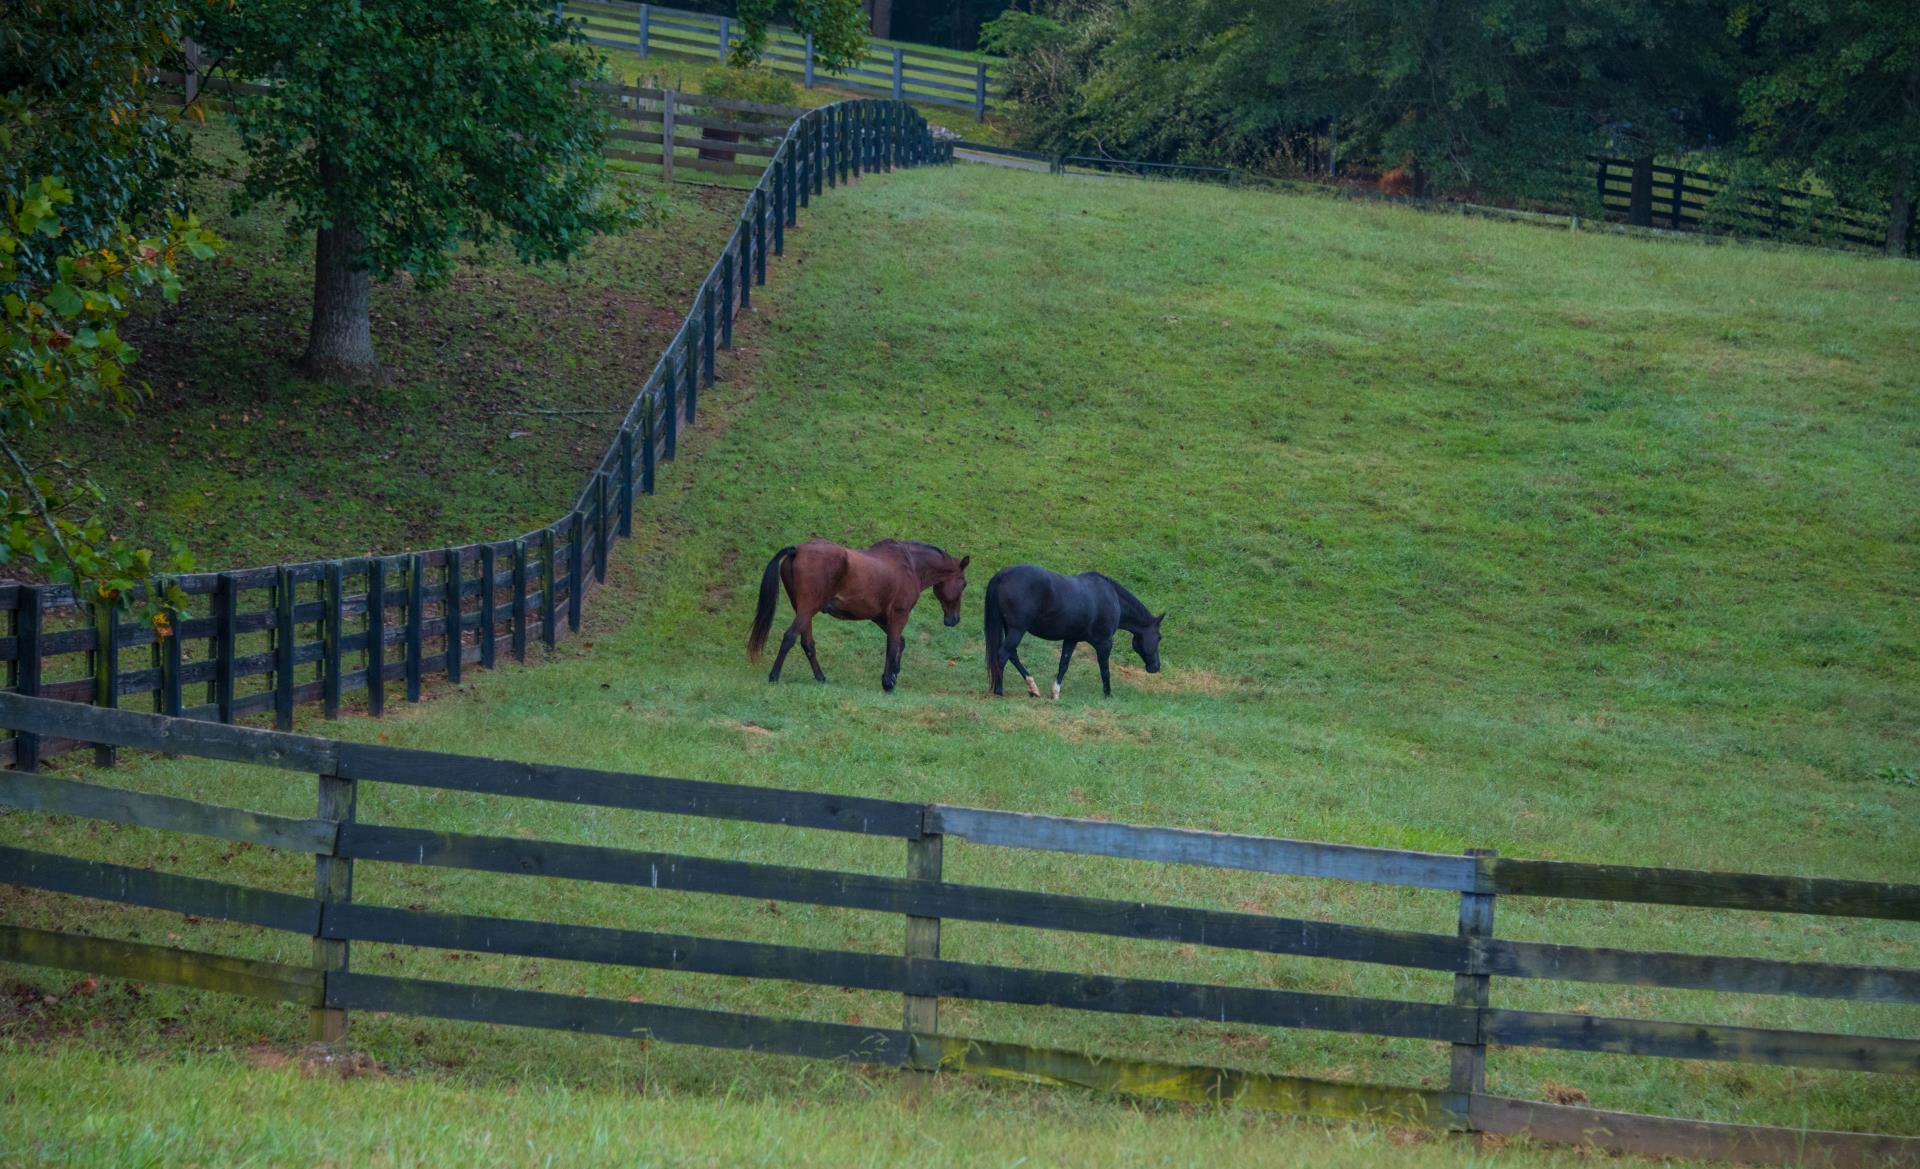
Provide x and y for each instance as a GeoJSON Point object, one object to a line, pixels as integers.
{"type": "Point", "coordinates": [1033, 688]}
{"type": "Point", "coordinates": [1056, 691]}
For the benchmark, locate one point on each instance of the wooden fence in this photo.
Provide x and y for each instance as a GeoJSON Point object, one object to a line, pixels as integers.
{"type": "Point", "coordinates": [1647, 194]}
{"type": "Point", "coordinates": [903, 73]}
{"type": "Point", "coordinates": [260, 640]}
{"type": "Point", "coordinates": [1469, 1024]}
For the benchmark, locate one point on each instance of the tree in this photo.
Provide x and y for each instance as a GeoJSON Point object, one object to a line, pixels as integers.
{"type": "Point", "coordinates": [1836, 92]}
{"type": "Point", "coordinates": [396, 130]}
{"type": "Point", "coordinates": [1494, 95]}
{"type": "Point", "coordinates": [838, 28]}
{"type": "Point", "coordinates": [91, 224]}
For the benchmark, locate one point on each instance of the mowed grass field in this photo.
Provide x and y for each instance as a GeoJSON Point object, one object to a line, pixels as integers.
{"type": "Point", "coordinates": [1470, 534]}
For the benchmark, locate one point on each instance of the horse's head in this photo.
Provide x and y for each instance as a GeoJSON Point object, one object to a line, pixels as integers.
{"type": "Point", "coordinates": [947, 589]}
{"type": "Point", "coordinates": [1146, 643]}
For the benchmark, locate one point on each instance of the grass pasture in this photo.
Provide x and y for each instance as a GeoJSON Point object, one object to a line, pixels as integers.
{"type": "Point", "coordinates": [1471, 534]}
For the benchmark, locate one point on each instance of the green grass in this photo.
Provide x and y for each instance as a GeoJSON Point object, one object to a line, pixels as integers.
{"type": "Point", "coordinates": [1472, 534]}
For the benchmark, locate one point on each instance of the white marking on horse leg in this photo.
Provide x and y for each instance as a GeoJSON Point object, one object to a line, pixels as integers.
{"type": "Point", "coordinates": [1056, 689]}
{"type": "Point", "coordinates": [1033, 688]}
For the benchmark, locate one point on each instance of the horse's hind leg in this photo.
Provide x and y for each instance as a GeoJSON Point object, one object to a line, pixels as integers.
{"type": "Point", "coordinates": [786, 645]}
{"type": "Point", "coordinates": [813, 656]}
{"type": "Point", "coordinates": [1066, 655]}
{"type": "Point", "coordinates": [1102, 651]}
{"type": "Point", "coordinates": [1013, 655]}
{"type": "Point", "coordinates": [896, 646]}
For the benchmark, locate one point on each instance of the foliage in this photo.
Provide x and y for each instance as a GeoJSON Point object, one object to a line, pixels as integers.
{"type": "Point", "coordinates": [1493, 95]}
{"type": "Point", "coordinates": [420, 125]}
{"type": "Point", "coordinates": [61, 353]}
{"type": "Point", "coordinates": [1835, 91]}
{"type": "Point", "coordinates": [749, 83]}
{"type": "Point", "coordinates": [75, 76]}
{"type": "Point", "coordinates": [838, 28]}
{"type": "Point", "coordinates": [1014, 33]}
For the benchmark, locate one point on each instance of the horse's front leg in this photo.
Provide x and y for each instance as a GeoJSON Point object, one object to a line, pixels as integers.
{"type": "Point", "coordinates": [1066, 655]}
{"type": "Point", "coordinates": [896, 646]}
{"type": "Point", "coordinates": [1103, 650]}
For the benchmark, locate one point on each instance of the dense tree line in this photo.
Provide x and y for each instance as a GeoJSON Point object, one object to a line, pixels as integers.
{"type": "Point", "coordinates": [1498, 98]}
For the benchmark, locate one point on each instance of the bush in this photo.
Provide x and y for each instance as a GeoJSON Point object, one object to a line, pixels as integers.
{"type": "Point", "coordinates": [749, 84]}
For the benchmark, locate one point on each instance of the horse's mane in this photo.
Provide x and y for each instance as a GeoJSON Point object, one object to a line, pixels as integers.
{"type": "Point", "coordinates": [915, 544]}
{"type": "Point", "coordinates": [1136, 608]}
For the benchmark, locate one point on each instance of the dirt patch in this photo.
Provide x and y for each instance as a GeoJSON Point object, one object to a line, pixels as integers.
{"type": "Point", "coordinates": [1080, 725]}
{"type": "Point", "coordinates": [1558, 1093]}
{"type": "Point", "coordinates": [1181, 681]}
{"type": "Point", "coordinates": [321, 1060]}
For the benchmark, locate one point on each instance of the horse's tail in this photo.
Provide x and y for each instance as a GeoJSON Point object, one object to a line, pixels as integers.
{"type": "Point", "coordinates": [996, 636]}
{"type": "Point", "coordinates": [769, 596]}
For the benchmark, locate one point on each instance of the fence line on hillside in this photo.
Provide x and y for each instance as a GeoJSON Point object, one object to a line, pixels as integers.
{"type": "Point", "coordinates": [375, 622]}
{"type": "Point", "coordinates": [1648, 194]}
{"type": "Point", "coordinates": [900, 72]}
{"type": "Point", "coordinates": [1468, 1024]}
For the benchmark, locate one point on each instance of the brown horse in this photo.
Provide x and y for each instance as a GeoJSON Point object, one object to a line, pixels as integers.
{"type": "Point", "coordinates": [880, 585]}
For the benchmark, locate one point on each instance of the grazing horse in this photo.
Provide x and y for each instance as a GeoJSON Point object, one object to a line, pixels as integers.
{"type": "Point", "coordinates": [879, 585]}
{"type": "Point", "coordinates": [1068, 609]}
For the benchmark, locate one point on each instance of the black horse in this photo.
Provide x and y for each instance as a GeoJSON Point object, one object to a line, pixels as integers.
{"type": "Point", "coordinates": [1068, 609]}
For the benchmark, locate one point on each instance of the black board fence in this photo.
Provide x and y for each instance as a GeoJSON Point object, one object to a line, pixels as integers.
{"type": "Point", "coordinates": [258, 641]}
{"type": "Point", "coordinates": [1470, 1025]}
{"type": "Point", "coordinates": [914, 73]}
{"type": "Point", "coordinates": [1643, 193]}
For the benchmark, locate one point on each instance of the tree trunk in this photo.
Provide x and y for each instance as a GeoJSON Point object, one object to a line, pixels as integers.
{"type": "Point", "coordinates": [1899, 219]}
{"type": "Point", "coordinates": [881, 14]}
{"type": "Point", "coordinates": [340, 342]}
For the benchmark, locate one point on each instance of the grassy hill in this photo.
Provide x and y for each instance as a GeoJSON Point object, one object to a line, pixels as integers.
{"type": "Point", "coordinates": [1471, 534]}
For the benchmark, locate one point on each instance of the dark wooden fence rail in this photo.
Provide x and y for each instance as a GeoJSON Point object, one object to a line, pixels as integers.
{"type": "Point", "coordinates": [902, 72]}
{"type": "Point", "coordinates": [1472, 953]}
{"type": "Point", "coordinates": [260, 640]}
{"type": "Point", "coordinates": [1647, 194]}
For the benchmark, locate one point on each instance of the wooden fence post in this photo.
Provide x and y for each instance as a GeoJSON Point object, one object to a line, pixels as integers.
{"type": "Point", "coordinates": [670, 408]}
{"type": "Point", "coordinates": [726, 35]}
{"type": "Point", "coordinates": [549, 580]}
{"type": "Point", "coordinates": [626, 481]}
{"type": "Point", "coordinates": [923, 933]}
{"type": "Point", "coordinates": [283, 641]}
{"type": "Point", "coordinates": [106, 668]}
{"type": "Point", "coordinates": [816, 127]}
{"type": "Point", "coordinates": [760, 235]}
{"type": "Point", "coordinates": [27, 617]}
{"type": "Point", "coordinates": [520, 599]}
{"type": "Point", "coordinates": [602, 527]}
{"type": "Point", "coordinates": [1469, 1071]}
{"type": "Point", "coordinates": [808, 67]}
{"type": "Point", "coordinates": [899, 81]}
{"type": "Point", "coordinates": [782, 178]}
{"type": "Point", "coordinates": [484, 634]}
{"type": "Point", "coordinates": [980, 93]}
{"type": "Point", "coordinates": [690, 365]}
{"type": "Point", "coordinates": [450, 614]}
{"type": "Point", "coordinates": [416, 601]}
{"type": "Point", "coordinates": [376, 636]}
{"type": "Point", "coordinates": [644, 15]}
{"type": "Point", "coordinates": [336, 604]}
{"type": "Point", "coordinates": [333, 885]}
{"type": "Point", "coordinates": [666, 135]}
{"type": "Point", "coordinates": [647, 439]}
{"type": "Point", "coordinates": [576, 574]}
{"type": "Point", "coordinates": [727, 266]}
{"type": "Point", "coordinates": [746, 256]}
{"type": "Point", "coordinates": [706, 331]}
{"type": "Point", "coordinates": [1640, 202]}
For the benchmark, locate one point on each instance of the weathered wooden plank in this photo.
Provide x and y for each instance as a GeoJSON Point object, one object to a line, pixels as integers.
{"type": "Point", "coordinates": [130, 886]}
{"type": "Point", "coordinates": [1468, 1061]}
{"type": "Point", "coordinates": [520, 600]}
{"type": "Point", "coordinates": [549, 629]}
{"type": "Point", "coordinates": [576, 570]}
{"type": "Point", "coordinates": [416, 615]}
{"type": "Point", "coordinates": [899, 895]}
{"type": "Point", "coordinates": [924, 856]}
{"type": "Point", "coordinates": [28, 617]}
{"type": "Point", "coordinates": [1884, 984]}
{"type": "Point", "coordinates": [180, 736]}
{"type": "Point", "coordinates": [1690, 1140]}
{"type": "Point", "coordinates": [106, 670]}
{"type": "Point", "coordinates": [243, 976]}
{"type": "Point", "coordinates": [488, 616]}
{"type": "Point", "coordinates": [450, 621]}
{"type": "Point", "coordinates": [1192, 1085]}
{"type": "Point", "coordinates": [1265, 854]}
{"type": "Point", "coordinates": [578, 785]}
{"type": "Point", "coordinates": [664, 1024]}
{"type": "Point", "coordinates": [919, 978]}
{"type": "Point", "coordinates": [1709, 1041]}
{"type": "Point", "coordinates": [333, 889]}
{"type": "Point", "coordinates": [1774, 894]}
{"type": "Point", "coordinates": [284, 641]}
{"type": "Point", "coordinates": [67, 798]}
